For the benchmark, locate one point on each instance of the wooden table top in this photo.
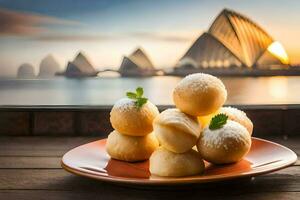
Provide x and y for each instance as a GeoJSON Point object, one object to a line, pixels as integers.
{"type": "Point", "coordinates": [30, 169]}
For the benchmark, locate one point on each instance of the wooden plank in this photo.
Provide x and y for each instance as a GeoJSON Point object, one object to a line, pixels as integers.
{"type": "Point", "coordinates": [39, 142]}
{"type": "Point", "coordinates": [56, 123]}
{"type": "Point", "coordinates": [32, 153]}
{"type": "Point", "coordinates": [15, 123]}
{"type": "Point", "coordinates": [40, 146]}
{"type": "Point", "coordinates": [42, 152]}
{"type": "Point", "coordinates": [142, 194]}
{"type": "Point", "coordinates": [58, 179]}
{"type": "Point", "coordinates": [94, 120]}
{"type": "Point", "coordinates": [30, 162]}
{"type": "Point", "coordinates": [34, 173]}
{"type": "Point", "coordinates": [291, 142]}
{"type": "Point", "coordinates": [57, 146]}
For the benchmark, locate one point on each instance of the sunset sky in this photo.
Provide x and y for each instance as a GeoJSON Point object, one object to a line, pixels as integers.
{"type": "Point", "coordinates": [108, 29]}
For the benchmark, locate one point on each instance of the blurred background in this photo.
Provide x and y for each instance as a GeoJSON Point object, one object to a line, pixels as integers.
{"type": "Point", "coordinates": [77, 52]}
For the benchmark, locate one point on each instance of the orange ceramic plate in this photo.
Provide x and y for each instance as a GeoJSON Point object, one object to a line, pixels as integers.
{"type": "Point", "coordinates": [91, 160]}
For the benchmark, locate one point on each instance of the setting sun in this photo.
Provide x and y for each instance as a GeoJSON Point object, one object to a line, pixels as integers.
{"type": "Point", "coordinates": [277, 50]}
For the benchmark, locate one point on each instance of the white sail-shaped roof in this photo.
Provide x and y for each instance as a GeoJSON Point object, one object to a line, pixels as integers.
{"type": "Point", "coordinates": [242, 36]}
{"type": "Point", "coordinates": [240, 40]}
{"type": "Point", "coordinates": [267, 59]}
{"type": "Point", "coordinates": [83, 64]}
{"type": "Point", "coordinates": [141, 59]}
{"type": "Point", "coordinates": [207, 52]}
{"type": "Point", "coordinates": [136, 63]}
{"type": "Point", "coordinates": [80, 67]}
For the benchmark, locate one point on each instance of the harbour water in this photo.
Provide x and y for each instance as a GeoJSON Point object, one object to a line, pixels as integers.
{"type": "Point", "coordinates": [105, 91]}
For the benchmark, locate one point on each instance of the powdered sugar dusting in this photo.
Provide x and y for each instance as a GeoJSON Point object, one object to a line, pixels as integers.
{"type": "Point", "coordinates": [232, 130]}
{"type": "Point", "coordinates": [128, 105]}
{"type": "Point", "coordinates": [238, 116]}
{"type": "Point", "coordinates": [124, 104]}
{"type": "Point", "coordinates": [234, 111]}
{"type": "Point", "coordinates": [200, 81]}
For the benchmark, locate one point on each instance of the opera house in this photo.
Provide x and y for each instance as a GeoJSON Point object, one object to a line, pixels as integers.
{"type": "Point", "coordinates": [79, 67]}
{"type": "Point", "coordinates": [233, 41]}
{"type": "Point", "coordinates": [137, 64]}
{"type": "Point", "coordinates": [233, 45]}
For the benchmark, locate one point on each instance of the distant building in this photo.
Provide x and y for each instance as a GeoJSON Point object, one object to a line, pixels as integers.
{"type": "Point", "coordinates": [137, 64]}
{"type": "Point", "coordinates": [79, 67]}
{"type": "Point", "coordinates": [234, 41]}
{"type": "Point", "coordinates": [48, 67]}
{"type": "Point", "coordinates": [25, 71]}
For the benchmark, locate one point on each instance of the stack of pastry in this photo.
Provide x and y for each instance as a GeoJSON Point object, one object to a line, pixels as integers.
{"type": "Point", "coordinates": [218, 141]}
{"type": "Point", "coordinates": [177, 133]}
{"type": "Point", "coordinates": [178, 130]}
{"type": "Point", "coordinates": [132, 117]}
{"type": "Point", "coordinates": [198, 129]}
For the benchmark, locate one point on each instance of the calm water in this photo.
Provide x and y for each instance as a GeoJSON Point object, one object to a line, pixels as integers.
{"type": "Point", "coordinates": [105, 91]}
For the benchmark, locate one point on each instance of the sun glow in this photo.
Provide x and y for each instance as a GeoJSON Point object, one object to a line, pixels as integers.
{"type": "Point", "coordinates": [277, 50]}
{"type": "Point", "coordinates": [277, 87]}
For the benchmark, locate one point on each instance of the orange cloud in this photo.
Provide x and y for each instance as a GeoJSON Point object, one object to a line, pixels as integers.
{"type": "Point", "coordinates": [26, 24]}
{"type": "Point", "coordinates": [162, 36]}
{"type": "Point", "coordinates": [72, 38]}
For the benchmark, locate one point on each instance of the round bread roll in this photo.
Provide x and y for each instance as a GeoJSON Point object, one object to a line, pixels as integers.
{"type": "Point", "coordinates": [199, 94]}
{"type": "Point", "coordinates": [127, 119]}
{"type": "Point", "coordinates": [239, 116]}
{"type": "Point", "coordinates": [176, 131]}
{"type": "Point", "coordinates": [130, 148]}
{"type": "Point", "coordinates": [167, 163]}
{"type": "Point", "coordinates": [224, 145]}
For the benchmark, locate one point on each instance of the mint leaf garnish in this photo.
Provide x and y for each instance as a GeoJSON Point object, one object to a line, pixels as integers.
{"type": "Point", "coordinates": [218, 121]}
{"type": "Point", "coordinates": [138, 97]}
{"type": "Point", "coordinates": [139, 92]}
{"type": "Point", "coordinates": [131, 95]}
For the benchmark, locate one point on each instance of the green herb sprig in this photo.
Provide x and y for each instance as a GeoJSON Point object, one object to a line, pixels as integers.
{"type": "Point", "coordinates": [137, 96]}
{"type": "Point", "coordinates": [218, 121]}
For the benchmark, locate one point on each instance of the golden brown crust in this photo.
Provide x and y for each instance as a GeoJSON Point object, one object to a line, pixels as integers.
{"type": "Point", "coordinates": [239, 116]}
{"type": "Point", "coordinates": [167, 163]}
{"type": "Point", "coordinates": [225, 145]}
{"type": "Point", "coordinates": [176, 131]}
{"type": "Point", "coordinates": [130, 148]}
{"type": "Point", "coordinates": [199, 94]}
{"type": "Point", "coordinates": [127, 119]}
